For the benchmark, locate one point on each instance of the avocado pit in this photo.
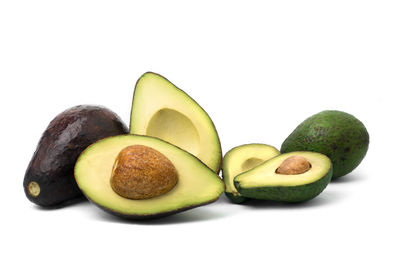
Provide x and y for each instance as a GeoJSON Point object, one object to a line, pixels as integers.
{"type": "Point", "coordinates": [141, 172]}
{"type": "Point", "coordinates": [294, 165]}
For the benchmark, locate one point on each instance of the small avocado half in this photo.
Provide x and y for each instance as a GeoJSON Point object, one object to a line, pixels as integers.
{"type": "Point", "coordinates": [265, 181]}
{"type": "Point", "coordinates": [241, 159]}
{"type": "Point", "coordinates": [197, 184]}
{"type": "Point", "coordinates": [162, 110]}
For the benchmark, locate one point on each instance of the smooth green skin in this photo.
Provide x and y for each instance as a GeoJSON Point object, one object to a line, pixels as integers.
{"type": "Point", "coordinates": [293, 194]}
{"type": "Point", "coordinates": [339, 135]}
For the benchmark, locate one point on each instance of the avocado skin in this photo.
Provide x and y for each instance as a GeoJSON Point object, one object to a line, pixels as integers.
{"type": "Point", "coordinates": [338, 135]}
{"type": "Point", "coordinates": [235, 199]}
{"type": "Point", "coordinates": [292, 194]}
{"type": "Point", "coordinates": [68, 134]}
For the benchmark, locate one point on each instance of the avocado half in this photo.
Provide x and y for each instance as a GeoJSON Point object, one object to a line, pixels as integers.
{"type": "Point", "coordinates": [162, 110]}
{"type": "Point", "coordinates": [263, 182]}
{"type": "Point", "coordinates": [197, 184]}
{"type": "Point", "coordinates": [241, 159]}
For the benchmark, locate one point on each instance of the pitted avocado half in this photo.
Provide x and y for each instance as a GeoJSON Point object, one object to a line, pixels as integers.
{"type": "Point", "coordinates": [292, 177]}
{"type": "Point", "coordinates": [162, 110]}
{"type": "Point", "coordinates": [195, 184]}
{"type": "Point", "coordinates": [241, 159]}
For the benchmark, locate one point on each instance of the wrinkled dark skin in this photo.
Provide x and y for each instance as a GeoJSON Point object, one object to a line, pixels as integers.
{"type": "Point", "coordinates": [68, 134]}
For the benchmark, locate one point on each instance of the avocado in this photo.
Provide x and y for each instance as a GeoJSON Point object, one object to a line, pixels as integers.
{"type": "Point", "coordinates": [241, 159]}
{"type": "Point", "coordinates": [162, 110]}
{"type": "Point", "coordinates": [292, 177]}
{"type": "Point", "coordinates": [49, 179]}
{"type": "Point", "coordinates": [97, 166]}
{"type": "Point", "coordinates": [339, 135]}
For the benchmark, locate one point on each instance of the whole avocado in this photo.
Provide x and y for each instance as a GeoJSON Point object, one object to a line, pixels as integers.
{"type": "Point", "coordinates": [49, 179]}
{"type": "Point", "coordinates": [339, 135]}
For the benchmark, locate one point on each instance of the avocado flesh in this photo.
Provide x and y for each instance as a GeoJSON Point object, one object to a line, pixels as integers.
{"type": "Point", "coordinates": [162, 110]}
{"type": "Point", "coordinates": [197, 184]}
{"type": "Point", "coordinates": [263, 182]}
{"type": "Point", "coordinates": [241, 159]}
{"type": "Point", "coordinates": [339, 135]}
{"type": "Point", "coordinates": [49, 179]}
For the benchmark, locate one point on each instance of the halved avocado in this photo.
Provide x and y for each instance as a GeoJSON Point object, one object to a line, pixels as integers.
{"type": "Point", "coordinates": [265, 181]}
{"type": "Point", "coordinates": [197, 184]}
{"type": "Point", "coordinates": [241, 159]}
{"type": "Point", "coordinates": [162, 110]}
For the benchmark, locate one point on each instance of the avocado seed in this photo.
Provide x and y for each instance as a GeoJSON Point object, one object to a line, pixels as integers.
{"type": "Point", "coordinates": [141, 172]}
{"type": "Point", "coordinates": [294, 165]}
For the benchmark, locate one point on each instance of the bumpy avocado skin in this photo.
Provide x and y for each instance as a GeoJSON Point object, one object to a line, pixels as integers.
{"type": "Point", "coordinates": [68, 134]}
{"type": "Point", "coordinates": [292, 194]}
{"type": "Point", "coordinates": [339, 135]}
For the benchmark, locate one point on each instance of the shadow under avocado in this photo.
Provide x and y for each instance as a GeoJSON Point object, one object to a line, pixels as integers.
{"type": "Point", "coordinates": [68, 203]}
{"type": "Point", "coordinates": [194, 215]}
{"type": "Point", "coordinates": [349, 178]}
{"type": "Point", "coordinates": [326, 198]}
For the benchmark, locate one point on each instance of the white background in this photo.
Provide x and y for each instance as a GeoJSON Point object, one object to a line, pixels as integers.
{"type": "Point", "coordinates": [258, 68]}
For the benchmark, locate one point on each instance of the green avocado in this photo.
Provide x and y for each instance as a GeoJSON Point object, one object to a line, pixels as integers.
{"type": "Point", "coordinates": [241, 159]}
{"type": "Point", "coordinates": [49, 179]}
{"type": "Point", "coordinates": [264, 181]}
{"type": "Point", "coordinates": [339, 135]}
{"type": "Point", "coordinates": [162, 110]}
{"type": "Point", "coordinates": [197, 184]}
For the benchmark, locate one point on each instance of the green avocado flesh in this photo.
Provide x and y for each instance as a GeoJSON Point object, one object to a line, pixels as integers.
{"type": "Point", "coordinates": [262, 182]}
{"type": "Point", "coordinates": [339, 135]}
{"type": "Point", "coordinates": [241, 159]}
{"type": "Point", "coordinates": [197, 184]}
{"type": "Point", "coordinates": [162, 110]}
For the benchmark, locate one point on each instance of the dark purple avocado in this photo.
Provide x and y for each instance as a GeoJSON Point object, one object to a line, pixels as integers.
{"type": "Point", "coordinates": [49, 180]}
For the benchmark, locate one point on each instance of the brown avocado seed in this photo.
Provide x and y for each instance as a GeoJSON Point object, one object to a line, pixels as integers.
{"type": "Point", "coordinates": [142, 172]}
{"type": "Point", "coordinates": [294, 165]}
